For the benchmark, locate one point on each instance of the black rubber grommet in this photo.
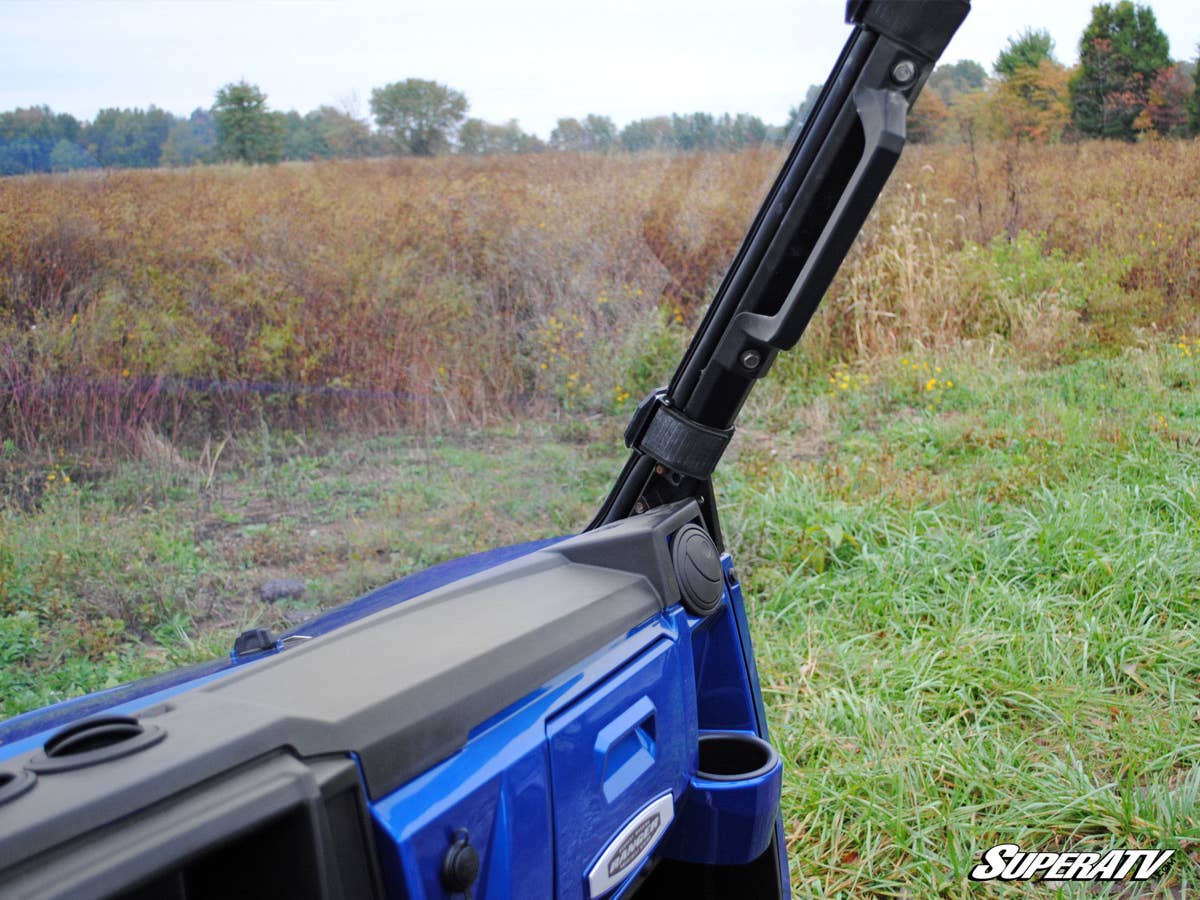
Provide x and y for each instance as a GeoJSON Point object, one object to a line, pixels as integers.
{"type": "Point", "coordinates": [460, 866]}
{"type": "Point", "coordinates": [94, 741]}
{"type": "Point", "coordinates": [14, 784]}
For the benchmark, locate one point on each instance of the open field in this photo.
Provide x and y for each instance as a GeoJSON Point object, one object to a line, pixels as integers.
{"type": "Point", "coordinates": [428, 293]}
{"type": "Point", "coordinates": [966, 511]}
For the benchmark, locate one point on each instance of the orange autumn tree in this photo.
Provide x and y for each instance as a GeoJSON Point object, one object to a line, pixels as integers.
{"type": "Point", "coordinates": [930, 119]}
{"type": "Point", "coordinates": [1167, 99]}
{"type": "Point", "coordinates": [1033, 104]}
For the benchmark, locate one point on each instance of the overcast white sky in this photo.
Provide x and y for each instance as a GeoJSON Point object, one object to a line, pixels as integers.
{"type": "Point", "coordinates": [533, 60]}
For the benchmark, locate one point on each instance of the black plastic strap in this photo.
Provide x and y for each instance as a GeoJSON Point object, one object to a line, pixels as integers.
{"type": "Point", "coordinates": [925, 26]}
{"type": "Point", "coordinates": [679, 443]}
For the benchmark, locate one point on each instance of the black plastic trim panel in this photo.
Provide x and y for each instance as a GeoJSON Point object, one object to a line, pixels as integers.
{"type": "Point", "coordinates": [400, 689]}
{"type": "Point", "coordinates": [323, 844]}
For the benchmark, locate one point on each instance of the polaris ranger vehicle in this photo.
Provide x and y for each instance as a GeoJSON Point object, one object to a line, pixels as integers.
{"type": "Point", "coordinates": [575, 718]}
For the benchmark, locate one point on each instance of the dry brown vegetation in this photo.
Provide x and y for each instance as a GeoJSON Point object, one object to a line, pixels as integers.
{"type": "Point", "coordinates": [420, 292]}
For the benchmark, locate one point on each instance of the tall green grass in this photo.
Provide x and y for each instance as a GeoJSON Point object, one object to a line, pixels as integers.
{"type": "Point", "coordinates": [978, 624]}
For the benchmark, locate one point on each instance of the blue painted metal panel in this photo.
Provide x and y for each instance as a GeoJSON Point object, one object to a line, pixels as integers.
{"type": "Point", "coordinates": [611, 753]}
{"type": "Point", "coordinates": [609, 725]}
{"type": "Point", "coordinates": [543, 786]}
{"type": "Point", "coordinates": [737, 606]}
{"type": "Point", "coordinates": [724, 695]}
{"type": "Point", "coordinates": [499, 788]}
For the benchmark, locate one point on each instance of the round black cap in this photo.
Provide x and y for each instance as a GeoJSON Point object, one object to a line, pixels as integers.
{"type": "Point", "coordinates": [460, 867]}
{"type": "Point", "coordinates": [698, 570]}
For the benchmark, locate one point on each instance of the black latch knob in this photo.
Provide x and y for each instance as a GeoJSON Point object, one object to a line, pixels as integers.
{"type": "Point", "coordinates": [460, 865]}
{"type": "Point", "coordinates": [253, 640]}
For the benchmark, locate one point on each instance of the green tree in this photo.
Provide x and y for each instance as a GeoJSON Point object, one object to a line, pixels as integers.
{"type": "Point", "coordinates": [952, 80]}
{"type": "Point", "coordinates": [343, 134]}
{"type": "Point", "coordinates": [191, 140]}
{"type": "Point", "coordinates": [473, 137]}
{"type": "Point", "coordinates": [300, 137]}
{"type": "Point", "coordinates": [67, 156]}
{"type": "Point", "coordinates": [697, 131]}
{"type": "Point", "coordinates": [742, 130]}
{"type": "Point", "coordinates": [569, 134]}
{"type": "Point", "coordinates": [647, 134]}
{"type": "Point", "coordinates": [1120, 53]}
{"type": "Point", "coordinates": [601, 132]}
{"type": "Point", "coordinates": [28, 138]}
{"type": "Point", "coordinates": [128, 138]}
{"type": "Point", "coordinates": [481, 138]}
{"type": "Point", "coordinates": [419, 116]}
{"type": "Point", "coordinates": [1027, 50]}
{"type": "Point", "coordinates": [1194, 100]}
{"type": "Point", "coordinates": [246, 129]}
{"type": "Point", "coordinates": [593, 133]}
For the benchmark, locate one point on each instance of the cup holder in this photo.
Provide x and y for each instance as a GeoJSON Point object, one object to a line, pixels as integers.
{"type": "Point", "coordinates": [728, 813]}
{"type": "Point", "coordinates": [733, 756]}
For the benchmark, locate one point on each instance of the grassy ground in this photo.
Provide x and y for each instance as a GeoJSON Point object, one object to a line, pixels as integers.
{"type": "Point", "coordinates": [974, 583]}
{"type": "Point", "coordinates": [107, 574]}
{"type": "Point", "coordinates": [977, 615]}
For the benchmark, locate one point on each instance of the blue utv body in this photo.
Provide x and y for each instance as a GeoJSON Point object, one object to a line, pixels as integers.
{"type": "Point", "coordinates": [575, 719]}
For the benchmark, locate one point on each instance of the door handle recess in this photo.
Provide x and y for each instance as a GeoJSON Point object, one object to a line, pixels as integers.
{"type": "Point", "coordinates": [626, 748]}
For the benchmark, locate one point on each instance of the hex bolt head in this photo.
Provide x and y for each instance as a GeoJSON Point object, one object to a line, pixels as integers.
{"type": "Point", "coordinates": [750, 359]}
{"type": "Point", "coordinates": [904, 71]}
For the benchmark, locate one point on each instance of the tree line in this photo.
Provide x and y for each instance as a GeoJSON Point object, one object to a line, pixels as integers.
{"type": "Point", "coordinates": [36, 139]}
{"type": "Point", "coordinates": [1125, 86]}
{"type": "Point", "coordinates": [412, 117]}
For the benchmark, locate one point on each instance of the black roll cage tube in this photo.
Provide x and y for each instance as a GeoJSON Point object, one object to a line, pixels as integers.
{"type": "Point", "coordinates": [820, 199]}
